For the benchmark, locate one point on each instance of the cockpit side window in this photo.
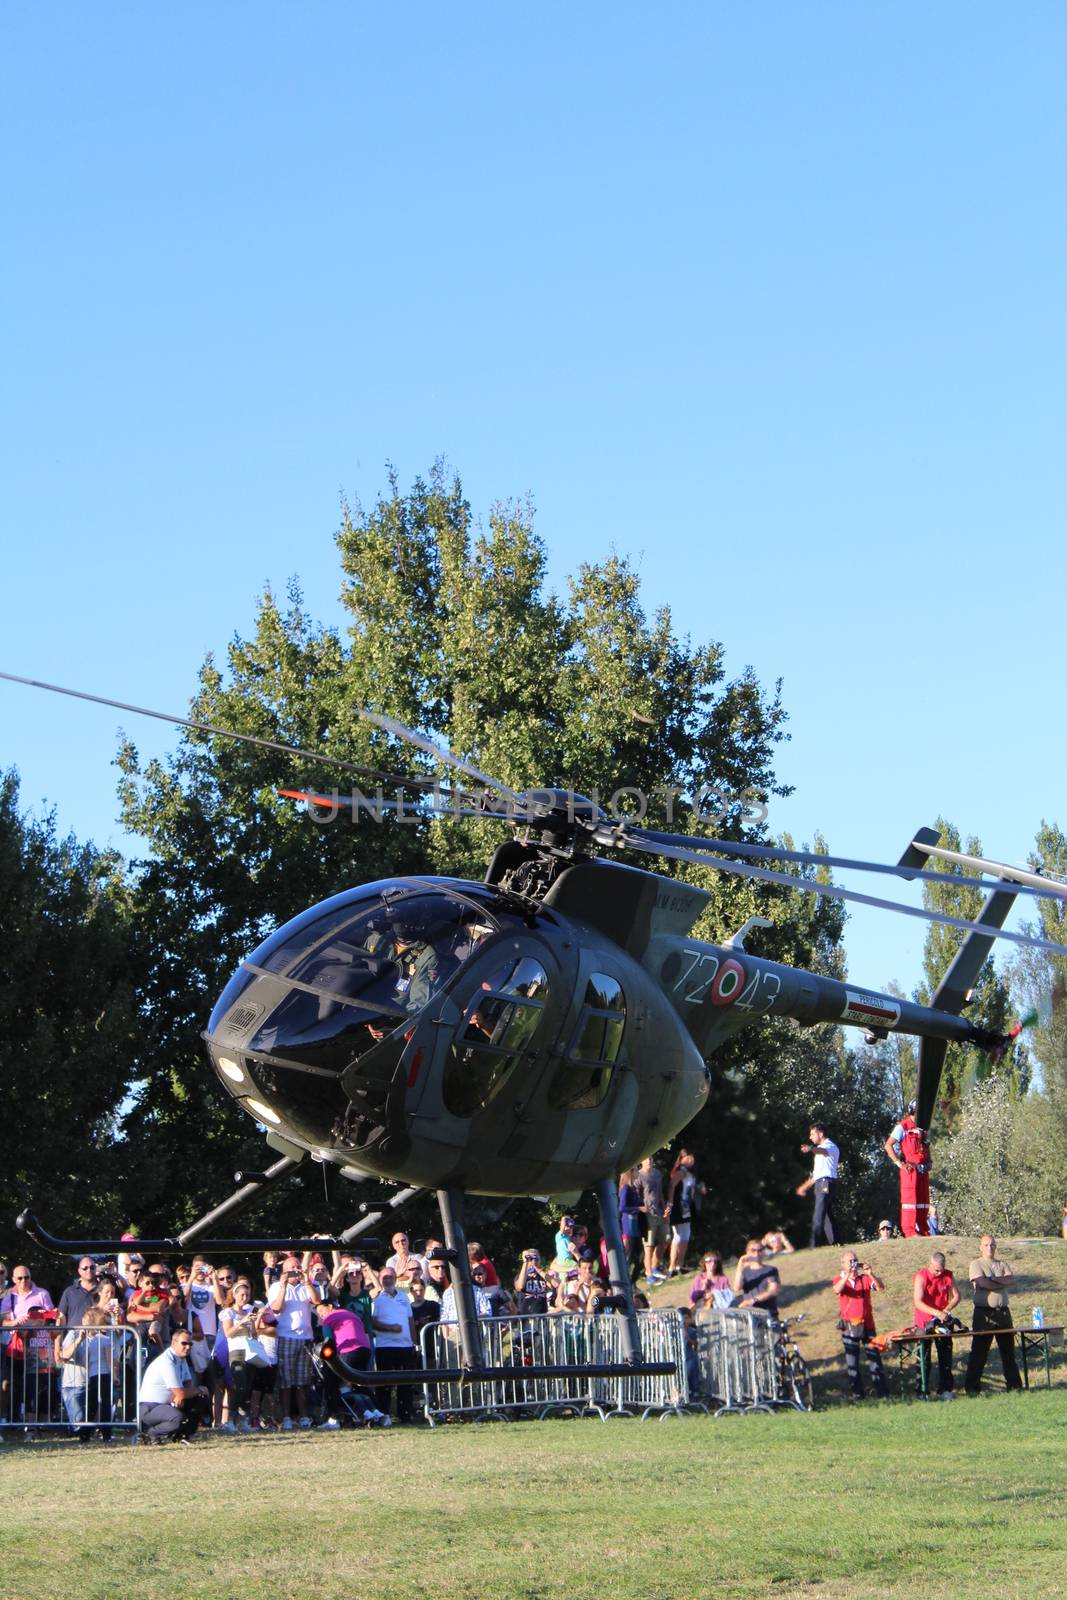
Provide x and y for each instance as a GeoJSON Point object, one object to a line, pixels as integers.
{"type": "Point", "coordinates": [498, 1025]}
{"type": "Point", "coordinates": [584, 1078]}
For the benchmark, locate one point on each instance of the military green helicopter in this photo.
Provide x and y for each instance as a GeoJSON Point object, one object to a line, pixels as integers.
{"type": "Point", "coordinates": [541, 1031]}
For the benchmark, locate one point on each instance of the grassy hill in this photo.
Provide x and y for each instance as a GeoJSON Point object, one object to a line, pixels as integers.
{"type": "Point", "coordinates": [1040, 1266]}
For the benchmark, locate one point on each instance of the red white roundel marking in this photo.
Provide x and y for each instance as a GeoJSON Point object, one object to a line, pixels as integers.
{"type": "Point", "coordinates": [729, 981]}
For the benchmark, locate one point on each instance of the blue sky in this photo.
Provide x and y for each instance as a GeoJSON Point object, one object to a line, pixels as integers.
{"type": "Point", "coordinates": [770, 298]}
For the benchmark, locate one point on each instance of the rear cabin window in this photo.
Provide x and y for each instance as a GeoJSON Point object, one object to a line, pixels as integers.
{"type": "Point", "coordinates": [584, 1078]}
{"type": "Point", "coordinates": [498, 1025]}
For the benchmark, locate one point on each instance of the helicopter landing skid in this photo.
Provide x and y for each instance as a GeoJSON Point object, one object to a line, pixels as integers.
{"type": "Point", "coordinates": [31, 1226]}
{"type": "Point", "coordinates": [392, 1376]}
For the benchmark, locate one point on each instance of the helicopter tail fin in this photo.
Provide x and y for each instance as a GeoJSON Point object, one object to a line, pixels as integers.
{"type": "Point", "coordinates": [955, 987]}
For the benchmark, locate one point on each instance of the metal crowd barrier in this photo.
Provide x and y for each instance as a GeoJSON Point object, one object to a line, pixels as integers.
{"type": "Point", "coordinates": [72, 1378]}
{"type": "Point", "coordinates": [662, 1339]}
{"type": "Point", "coordinates": [738, 1361]}
{"type": "Point", "coordinates": [574, 1342]}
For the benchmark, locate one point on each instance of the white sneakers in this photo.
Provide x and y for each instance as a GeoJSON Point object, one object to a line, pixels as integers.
{"type": "Point", "coordinates": [331, 1425]}
{"type": "Point", "coordinates": [287, 1424]}
{"type": "Point", "coordinates": [379, 1417]}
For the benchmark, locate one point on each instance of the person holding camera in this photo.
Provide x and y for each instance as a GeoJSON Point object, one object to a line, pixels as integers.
{"type": "Point", "coordinates": [935, 1297]}
{"type": "Point", "coordinates": [854, 1285]}
{"type": "Point", "coordinates": [532, 1286]}
{"type": "Point", "coordinates": [292, 1299]}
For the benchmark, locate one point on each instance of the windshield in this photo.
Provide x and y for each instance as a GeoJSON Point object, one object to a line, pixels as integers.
{"type": "Point", "coordinates": [389, 954]}
{"type": "Point", "coordinates": [353, 967]}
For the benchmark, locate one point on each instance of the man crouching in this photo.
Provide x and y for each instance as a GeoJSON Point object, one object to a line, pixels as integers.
{"type": "Point", "coordinates": [171, 1401]}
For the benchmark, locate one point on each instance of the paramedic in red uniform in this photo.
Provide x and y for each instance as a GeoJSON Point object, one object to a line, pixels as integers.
{"type": "Point", "coordinates": [854, 1285]}
{"type": "Point", "coordinates": [934, 1295]}
{"type": "Point", "coordinates": [908, 1148]}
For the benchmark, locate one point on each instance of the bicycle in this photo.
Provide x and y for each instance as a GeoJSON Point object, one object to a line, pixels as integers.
{"type": "Point", "coordinates": [794, 1379]}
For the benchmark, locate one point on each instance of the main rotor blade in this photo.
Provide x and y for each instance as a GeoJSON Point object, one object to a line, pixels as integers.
{"type": "Point", "coordinates": [225, 733]}
{"type": "Point", "coordinates": [401, 731]}
{"type": "Point", "coordinates": [1050, 888]}
{"type": "Point", "coordinates": [1013, 875]}
{"type": "Point", "coordinates": [333, 801]}
{"type": "Point", "coordinates": [831, 891]}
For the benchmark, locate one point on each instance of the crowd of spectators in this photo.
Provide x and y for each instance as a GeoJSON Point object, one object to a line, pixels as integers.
{"type": "Point", "coordinates": [199, 1345]}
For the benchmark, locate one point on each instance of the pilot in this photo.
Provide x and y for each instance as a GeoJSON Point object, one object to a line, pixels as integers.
{"type": "Point", "coordinates": [417, 966]}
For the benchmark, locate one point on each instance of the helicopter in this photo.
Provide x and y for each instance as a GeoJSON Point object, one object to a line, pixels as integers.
{"type": "Point", "coordinates": [540, 1031]}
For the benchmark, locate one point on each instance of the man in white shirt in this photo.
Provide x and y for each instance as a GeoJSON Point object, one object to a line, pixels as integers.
{"type": "Point", "coordinates": [394, 1341]}
{"type": "Point", "coordinates": [291, 1300]}
{"type": "Point", "coordinates": [403, 1261]}
{"type": "Point", "coordinates": [824, 1181]}
{"type": "Point", "coordinates": [171, 1401]}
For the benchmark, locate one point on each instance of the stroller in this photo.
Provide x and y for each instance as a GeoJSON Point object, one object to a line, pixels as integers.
{"type": "Point", "coordinates": [349, 1406]}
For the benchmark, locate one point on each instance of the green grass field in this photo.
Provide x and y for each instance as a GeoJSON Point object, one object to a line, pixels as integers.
{"type": "Point", "coordinates": [963, 1500]}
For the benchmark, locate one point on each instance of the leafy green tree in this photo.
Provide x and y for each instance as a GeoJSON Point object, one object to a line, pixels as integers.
{"type": "Point", "coordinates": [1003, 1168]}
{"type": "Point", "coordinates": [450, 628]}
{"type": "Point", "coordinates": [68, 1024]}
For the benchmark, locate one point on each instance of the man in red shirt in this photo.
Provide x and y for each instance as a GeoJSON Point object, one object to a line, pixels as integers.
{"type": "Point", "coordinates": [854, 1285]}
{"type": "Point", "coordinates": [935, 1295]}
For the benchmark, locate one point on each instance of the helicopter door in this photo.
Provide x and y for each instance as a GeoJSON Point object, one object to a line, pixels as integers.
{"type": "Point", "coordinates": [494, 1030]}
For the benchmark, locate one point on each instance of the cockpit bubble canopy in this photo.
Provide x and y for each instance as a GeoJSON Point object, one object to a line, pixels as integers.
{"type": "Point", "coordinates": [383, 948]}
{"type": "Point", "coordinates": [369, 956]}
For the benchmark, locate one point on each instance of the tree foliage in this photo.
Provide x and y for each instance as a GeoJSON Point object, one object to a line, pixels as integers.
{"type": "Point", "coordinates": [68, 1021]}
{"type": "Point", "coordinates": [450, 628]}
{"type": "Point", "coordinates": [1002, 1171]}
